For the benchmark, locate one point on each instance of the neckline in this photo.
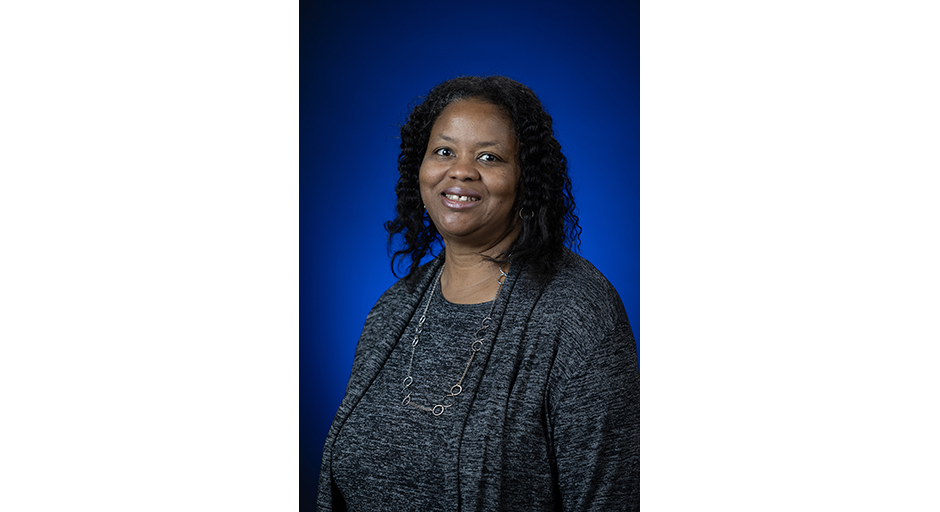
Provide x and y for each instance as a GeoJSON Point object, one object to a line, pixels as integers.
{"type": "Point", "coordinates": [439, 297]}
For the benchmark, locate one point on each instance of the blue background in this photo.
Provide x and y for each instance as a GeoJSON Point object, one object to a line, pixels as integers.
{"type": "Point", "coordinates": [362, 65]}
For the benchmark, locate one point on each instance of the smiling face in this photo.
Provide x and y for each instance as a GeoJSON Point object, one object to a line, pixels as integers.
{"type": "Point", "coordinates": [469, 174]}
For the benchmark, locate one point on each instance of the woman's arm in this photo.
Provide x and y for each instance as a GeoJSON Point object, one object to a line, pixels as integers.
{"type": "Point", "coordinates": [596, 423]}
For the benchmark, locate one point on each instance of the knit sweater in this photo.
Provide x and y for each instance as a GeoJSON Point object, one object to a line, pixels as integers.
{"type": "Point", "coordinates": [548, 418]}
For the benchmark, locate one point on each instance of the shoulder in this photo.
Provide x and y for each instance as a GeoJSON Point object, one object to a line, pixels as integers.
{"type": "Point", "coordinates": [583, 316]}
{"type": "Point", "coordinates": [389, 316]}
{"type": "Point", "coordinates": [580, 276]}
{"type": "Point", "coordinates": [592, 344]}
{"type": "Point", "coordinates": [403, 293]}
{"type": "Point", "coordinates": [582, 292]}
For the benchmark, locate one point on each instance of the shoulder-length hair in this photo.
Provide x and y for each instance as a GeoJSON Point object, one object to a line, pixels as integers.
{"type": "Point", "coordinates": [544, 204]}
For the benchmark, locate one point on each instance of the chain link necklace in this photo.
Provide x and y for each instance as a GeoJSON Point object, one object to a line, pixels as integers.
{"type": "Point", "coordinates": [450, 398]}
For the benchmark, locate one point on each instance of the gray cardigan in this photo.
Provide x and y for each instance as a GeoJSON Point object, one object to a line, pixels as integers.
{"type": "Point", "coordinates": [554, 422]}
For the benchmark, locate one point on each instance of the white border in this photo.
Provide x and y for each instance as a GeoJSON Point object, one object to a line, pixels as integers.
{"type": "Point", "coordinates": [790, 248]}
{"type": "Point", "coordinates": [149, 220]}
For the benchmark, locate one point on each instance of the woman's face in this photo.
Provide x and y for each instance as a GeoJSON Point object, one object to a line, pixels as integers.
{"type": "Point", "coordinates": [469, 174]}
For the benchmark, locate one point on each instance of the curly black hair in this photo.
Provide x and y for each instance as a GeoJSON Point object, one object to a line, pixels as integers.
{"type": "Point", "coordinates": [543, 193]}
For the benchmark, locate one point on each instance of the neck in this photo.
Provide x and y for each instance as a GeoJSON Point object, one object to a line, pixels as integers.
{"type": "Point", "coordinates": [468, 276]}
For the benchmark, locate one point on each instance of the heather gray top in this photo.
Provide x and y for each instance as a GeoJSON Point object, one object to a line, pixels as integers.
{"type": "Point", "coordinates": [548, 418]}
{"type": "Point", "coordinates": [409, 453]}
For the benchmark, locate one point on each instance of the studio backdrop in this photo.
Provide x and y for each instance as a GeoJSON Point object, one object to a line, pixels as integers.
{"type": "Point", "coordinates": [363, 65]}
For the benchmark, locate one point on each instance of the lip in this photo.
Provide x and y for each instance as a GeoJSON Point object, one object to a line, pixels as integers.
{"type": "Point", "coordinates": [460, 191]}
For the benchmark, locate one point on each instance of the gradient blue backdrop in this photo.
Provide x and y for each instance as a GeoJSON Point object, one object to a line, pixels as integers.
{"type": "Point", "coordinates": [362, 65]}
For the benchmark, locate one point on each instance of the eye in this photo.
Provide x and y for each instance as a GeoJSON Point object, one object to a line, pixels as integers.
{"type": "Point", "coordinates": [490, 158]}
{"type": "Point", "coordinates": [443, 152]}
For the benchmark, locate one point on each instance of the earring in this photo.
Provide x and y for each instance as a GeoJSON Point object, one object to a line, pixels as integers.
{"type": "Point", "coordinates": [523, 217]}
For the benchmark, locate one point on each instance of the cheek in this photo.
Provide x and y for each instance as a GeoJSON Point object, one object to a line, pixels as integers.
{"type": "Point", "coordinates": [424, 182]}
{"type": "Point", "coordinates": [511, 187]}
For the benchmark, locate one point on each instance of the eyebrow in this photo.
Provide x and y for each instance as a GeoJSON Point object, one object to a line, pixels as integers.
{"type": "Point", "coordinates": [485, 143]}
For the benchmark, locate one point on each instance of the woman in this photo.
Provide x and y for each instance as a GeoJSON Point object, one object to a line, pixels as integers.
{"type": "Point", "coordinates": [502, 374]}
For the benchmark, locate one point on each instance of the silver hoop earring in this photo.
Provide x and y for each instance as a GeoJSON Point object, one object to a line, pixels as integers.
{"type": "Point", "coordinates": [523, 217]}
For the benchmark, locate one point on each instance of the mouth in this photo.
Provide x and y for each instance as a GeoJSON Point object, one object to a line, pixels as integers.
{"type": "Point", "coordinates": [460, 198]}
{"type": "Point", "coordinates": [464, 199]}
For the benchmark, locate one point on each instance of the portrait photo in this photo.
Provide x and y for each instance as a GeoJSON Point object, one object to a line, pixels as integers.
{"type": "Point", "coordinates": [365, 69]}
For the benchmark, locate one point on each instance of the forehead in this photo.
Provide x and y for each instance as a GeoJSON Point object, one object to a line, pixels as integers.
{"type": "Point", "coordinates": [472, 116]}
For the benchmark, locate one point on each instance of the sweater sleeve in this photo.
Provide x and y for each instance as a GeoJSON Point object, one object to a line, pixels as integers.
{"type": "Point", "coordinates": [595, 417]}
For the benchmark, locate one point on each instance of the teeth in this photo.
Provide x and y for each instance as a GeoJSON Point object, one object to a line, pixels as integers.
{"type": "Point", "coordinates": [453, 197]}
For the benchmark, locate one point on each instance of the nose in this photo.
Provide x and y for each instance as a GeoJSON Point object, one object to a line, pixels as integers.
{"type": "Point", "coordinates": [464, 169]}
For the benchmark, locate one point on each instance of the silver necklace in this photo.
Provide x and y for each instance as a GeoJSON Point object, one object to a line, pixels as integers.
{"type": "Point", "coordinates": [450, 398]}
